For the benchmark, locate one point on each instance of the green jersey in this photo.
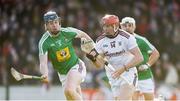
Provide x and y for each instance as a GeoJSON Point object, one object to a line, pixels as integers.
{"type": "Point", "coordinates": [59, 49]}
{"type": "Point", "coordinates": [146, 48]}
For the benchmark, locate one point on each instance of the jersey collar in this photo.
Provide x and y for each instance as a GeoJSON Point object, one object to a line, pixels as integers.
{"type": "Point", "coordinates": [113, 36]}
{"type": "Point", "coordinates": [53, 35]}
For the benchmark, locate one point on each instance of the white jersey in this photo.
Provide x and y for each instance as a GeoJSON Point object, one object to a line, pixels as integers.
{"type": "Point", "coordinates": [116, 49]}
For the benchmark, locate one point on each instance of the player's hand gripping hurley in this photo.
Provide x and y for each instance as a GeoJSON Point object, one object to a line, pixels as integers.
{"type": "Point", "coordinates": [88, 45]}
{"type": "Point", "coordinates": [19, 76]}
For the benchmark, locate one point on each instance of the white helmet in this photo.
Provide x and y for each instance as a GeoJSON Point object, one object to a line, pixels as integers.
{"type": "Point", "coordinates": [128, 20]}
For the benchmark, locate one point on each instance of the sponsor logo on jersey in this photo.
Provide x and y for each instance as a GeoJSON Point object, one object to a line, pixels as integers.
{"type": "Point", "coordinates": [113, 44]}
{"type": "Point", "coordinates": [105, 45]}
{"type": "Point", "coordinates": [114, 54]}
{"type": "Point", "coordinates": [63, 53]}
{"type": "Point", "coordinates": [119, 43]}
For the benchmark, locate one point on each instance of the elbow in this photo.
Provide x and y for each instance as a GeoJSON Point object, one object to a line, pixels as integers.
{"type": "Point", "coordinates": [43, 69]}
{"type": "Point", "coordinates": [138, 59]}
{"type": "Point", "coordinates": [157, 54]}
{"type": "Point", "coordinates": [141, 59]}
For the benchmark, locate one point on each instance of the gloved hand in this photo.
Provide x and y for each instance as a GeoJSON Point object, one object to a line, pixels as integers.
{"type": "Point", "coordinates": [92, 55]}
{"type": "Point", "coordinates": [143, 67]}
{"type": "Point", "coordinates": [44, 79]}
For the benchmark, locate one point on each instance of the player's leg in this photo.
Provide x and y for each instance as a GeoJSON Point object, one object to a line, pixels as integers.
{"type": "Point", "coordinates": [73, 81]}
{"type": "Point", "coordinates": [147, 88]}
{"type": "Point", "coordinates": [148, 96]}
{"type": "Point", "coordinates": [125, 92]}
{"type": "Point", "coordinates": [79, 90]}
{"type": "Point", "coordinates": [127, 89]}
{"type": "Point", "coordinates": [74, 78]}
{"type": "Point", "coordinates": [136, 95]}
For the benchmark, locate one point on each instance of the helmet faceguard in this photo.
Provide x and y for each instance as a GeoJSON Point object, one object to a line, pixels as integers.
{"type": "Point", "coordinates": [110, 21]}
{"type": "Point", "coordinates": [128, 24]}
{"type": "Point", "coordinates": [51, 16]}
{"type": "Point", "coordinates": [128, 20]}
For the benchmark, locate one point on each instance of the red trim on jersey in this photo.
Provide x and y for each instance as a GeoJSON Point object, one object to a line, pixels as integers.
{"type": "Point", "coordinates": [120, 32]}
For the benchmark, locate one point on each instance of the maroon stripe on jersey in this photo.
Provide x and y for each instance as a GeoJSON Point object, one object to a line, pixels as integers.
{"type": "Point", "coordinates": [122, 33]}
{"type": "Point", "coordinates": [100, 37]}
{"type": "Point", "coordinates": [80, 69]}
{"type": "Point", "coordinates": [135, 80]}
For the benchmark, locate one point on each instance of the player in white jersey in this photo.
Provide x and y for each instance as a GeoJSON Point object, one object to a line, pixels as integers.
{"type": "Point", "coordinates": [121, 51]}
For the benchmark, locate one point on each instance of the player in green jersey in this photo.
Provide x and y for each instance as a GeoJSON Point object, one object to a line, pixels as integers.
{"type": "Point", "coordinates": [56, 45]}
{"type": "Point", "coordinates": [150, 55]}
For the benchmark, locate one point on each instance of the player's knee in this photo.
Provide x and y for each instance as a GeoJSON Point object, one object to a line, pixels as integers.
{"type": "Point", "coordinates": [149, 97]}
{"type": "Point", "coordinates": [126, 95]}
{"type": "Point", "coordinates": [69, 91]}
{"type": "Point", "coordinates": [136, 95]}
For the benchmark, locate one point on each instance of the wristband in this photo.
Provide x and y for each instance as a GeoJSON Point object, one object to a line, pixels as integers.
{"type": "Point", "coordinates": [92, 57]}
{"type": "Point", "coordinates": [148, 64]}
{"type": "Point", "coordinates": [95, 52]}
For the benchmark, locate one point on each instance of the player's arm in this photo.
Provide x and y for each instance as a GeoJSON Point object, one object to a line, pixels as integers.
{"type": "Point", "coordinates": [43, 65]}
{"type": "Point", "coordinates": [133, 48]}
{"type": "Point", "coordinates": [43, 59]}
{"type": "Point", "coordinates": [100, 61]}
{"type": "Point", "coordinates": [88, 46]}
{"type": "Point", "coordinates": [92, 53]}
{"type": "Point", "coordinates": [138, 58]}
{"type": "Point", "coordinates": [80, 34]}
{"type": "Point", "coordinates": [97, 59]}
{"type": "Point", "coordinates": [154, 56]}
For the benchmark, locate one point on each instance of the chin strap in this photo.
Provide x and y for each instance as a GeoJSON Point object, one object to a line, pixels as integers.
{"type": "Point", "coordinates": [115, 28]}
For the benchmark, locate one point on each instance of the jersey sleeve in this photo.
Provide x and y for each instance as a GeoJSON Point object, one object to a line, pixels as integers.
{"type": "Point", "coordinates": [42, 48]}
{"type": "Point", "coordinates": [149, 46]}
{"type": "Point", "coordinates": [131, 42]}
{"type": "Point", "coordinates": [71, 32]}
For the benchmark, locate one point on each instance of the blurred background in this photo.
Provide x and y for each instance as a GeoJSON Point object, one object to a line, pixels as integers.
{"type": "Point", "coordinates": [21, 27]}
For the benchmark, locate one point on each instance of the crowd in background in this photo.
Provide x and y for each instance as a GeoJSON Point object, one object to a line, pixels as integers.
{"type": "Point", "coordinates": [21, 26]}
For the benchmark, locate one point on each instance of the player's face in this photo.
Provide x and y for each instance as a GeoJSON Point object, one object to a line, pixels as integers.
{"type": "Point", "coordinates": [108, 29]}
{"type": "Point", "coordinates": [53, 26]}
{"type": "Point", "coordinates": [129, 27]}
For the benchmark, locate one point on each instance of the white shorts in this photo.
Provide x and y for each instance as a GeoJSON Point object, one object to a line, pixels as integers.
{"type": "Point", "coordinates": [145, 86]}
{"type": "Point", "coordinates": [129, 78]}
{"type": "Point", "coordinates": [79, 67]}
